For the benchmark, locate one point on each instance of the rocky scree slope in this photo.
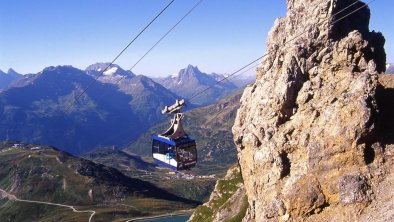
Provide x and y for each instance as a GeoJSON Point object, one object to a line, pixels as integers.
{"type": "Point", "coordinates": [309, 131]}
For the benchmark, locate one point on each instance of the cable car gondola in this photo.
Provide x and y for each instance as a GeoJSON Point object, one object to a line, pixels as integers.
{"type": "Point", "coordinates": [174, 148]}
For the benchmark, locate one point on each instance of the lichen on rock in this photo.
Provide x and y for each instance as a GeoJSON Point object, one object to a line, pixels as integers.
{"type": "Point", "coordinates": [307, 131]}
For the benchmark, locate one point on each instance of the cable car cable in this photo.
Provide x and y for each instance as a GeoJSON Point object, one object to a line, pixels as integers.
{"type": "Point", "coordinates": [119, 54]}
{"type": "Point", "coordinates": [163, 37]}
{"type": "Point", "coordinates": [168, 32]}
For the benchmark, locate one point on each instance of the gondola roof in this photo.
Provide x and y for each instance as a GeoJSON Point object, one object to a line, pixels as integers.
{"type": "Point", "coordinates": [171, 141]}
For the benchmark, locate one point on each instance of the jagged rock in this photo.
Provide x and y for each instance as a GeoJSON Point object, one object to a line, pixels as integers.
{"type": "Point", "coordinates": [227, 201]}
{"type": "Point", "coordinates": [308, 132]}
{"type": "Point", "coordinates": [354, 189]}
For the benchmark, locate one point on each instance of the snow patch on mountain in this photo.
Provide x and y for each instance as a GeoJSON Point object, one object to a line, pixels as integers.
{"type": "Point", "coordinates": [111, 71]}
{"type": "Point", "coordinates": [390, 68]}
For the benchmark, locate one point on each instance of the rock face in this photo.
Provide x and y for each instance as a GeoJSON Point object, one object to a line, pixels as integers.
{"type": "Point", "coordinates": [228, 201]}
{"type": "Point", "coordinates": [308, 133]}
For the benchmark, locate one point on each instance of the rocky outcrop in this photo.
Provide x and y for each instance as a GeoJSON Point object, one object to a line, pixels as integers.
{"type": "Point", "coordinates": [228, 201]}
{"type": "Point", "coordinates": [308, 132]}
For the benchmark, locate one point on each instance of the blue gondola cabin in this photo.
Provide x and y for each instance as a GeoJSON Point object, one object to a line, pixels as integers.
{"type": "Point", "coordinates": [174, 148]}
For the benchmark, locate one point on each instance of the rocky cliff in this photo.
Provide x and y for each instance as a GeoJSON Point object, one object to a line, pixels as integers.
{"type": "Point", "coordinates": [309, 132]}
{"type": "Point", "coordinates": [228, 202]}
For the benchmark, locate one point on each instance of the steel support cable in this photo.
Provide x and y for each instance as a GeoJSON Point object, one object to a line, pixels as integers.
{"type": "Point", "coordinates": [119, 54]}
{"type": "Point", "coordinates": [168, 32]}
{"type": "Point", "coordinates": [199, 93]}
{"type": "Point", "coordinates": [162, 38]}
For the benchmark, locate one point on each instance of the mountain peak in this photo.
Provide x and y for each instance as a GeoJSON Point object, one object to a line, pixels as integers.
{"type": "Point", "coordinates": [12, 72]}
{"type": "Point", "coordinates": [189, 72]}
{"type": "Point", "coordinates": [59, 69]}
{"type": "Point", "coordinates": [100, 66]}
{"type": "Point", "coordinates": [7, 78]}
{"type": "Point", "coordinates": [194, 68]}
{"type": "Point", "coordinates": [191, 67]}
{"type": "Point", "coordinates": [190, 79]}
{"type": "Point", "coordinates": [110, 70]}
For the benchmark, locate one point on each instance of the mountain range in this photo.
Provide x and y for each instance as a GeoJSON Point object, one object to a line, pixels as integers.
{"type": "Point", "coordinates": [42, 111]}
{"type": "Point", "coordinates": [51, 107]}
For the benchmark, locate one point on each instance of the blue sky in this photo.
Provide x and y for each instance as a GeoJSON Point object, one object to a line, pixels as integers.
{"type": "Point", "coordinates": [219, 36]}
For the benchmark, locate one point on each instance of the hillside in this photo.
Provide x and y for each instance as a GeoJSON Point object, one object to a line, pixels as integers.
{"type": "Point", "coordinates": [41, 173]}
{"type": "Point", "coordinates": [210, 126]}
{"type": "Point", "coordinates": [130, 164]}
{"type": "Point", "coordinates": [182, 184]}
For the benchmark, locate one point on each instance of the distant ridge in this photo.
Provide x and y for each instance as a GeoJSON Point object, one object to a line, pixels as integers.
{"type": "Point", "coordinates": [35, 111]}
{"type": "Point", "coordinates": [114, 110]}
